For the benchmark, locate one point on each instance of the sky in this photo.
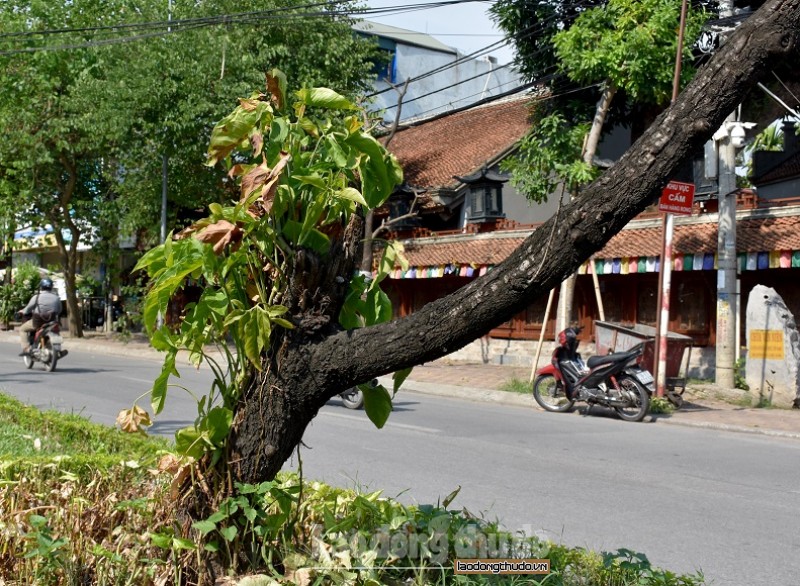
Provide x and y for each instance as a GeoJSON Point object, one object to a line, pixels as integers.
{"type": "Point", "coordinates": [466, 27]}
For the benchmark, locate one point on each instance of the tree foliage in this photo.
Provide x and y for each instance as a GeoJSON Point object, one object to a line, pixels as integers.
{"type": "Point", "coordinates": [87, 120]}
{"type": "Point", "coordinates": [304, 170]}
{"type": "Point", "coordinates": [629, 45]}
{"type": "Point", "coordinates": [621, 46]}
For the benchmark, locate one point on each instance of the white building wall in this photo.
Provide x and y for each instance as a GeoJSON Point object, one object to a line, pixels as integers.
{"type": "Point", "coordinates": [454, 87]}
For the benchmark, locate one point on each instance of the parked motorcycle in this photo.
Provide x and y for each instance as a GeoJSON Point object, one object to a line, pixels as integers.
{"type": "Point", "coordinates": [45, 346]}
{"type": "Point", "coordinates": [617, 381]}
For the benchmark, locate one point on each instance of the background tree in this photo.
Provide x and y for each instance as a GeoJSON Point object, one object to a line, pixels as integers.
{"type": "Point", "coordinates": [302, 366]}
{"type": "Point", "coordinates": [621, 46]}
{"type": "Point", "coordinates": [97, 115]}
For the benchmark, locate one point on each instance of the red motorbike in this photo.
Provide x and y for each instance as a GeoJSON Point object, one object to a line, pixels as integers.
{"type": "Point", "coordinates": [617, 381]}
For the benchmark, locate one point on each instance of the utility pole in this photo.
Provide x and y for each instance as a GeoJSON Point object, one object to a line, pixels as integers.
{"type": "Point", "coordinates": [727, 306]}
{"type": "Point", "coordinates": [727, 303]}
{"type": "Point", "coordinates": [164, 160]}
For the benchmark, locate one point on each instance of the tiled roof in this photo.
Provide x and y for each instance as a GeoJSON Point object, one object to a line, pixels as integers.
{"type": "Point", "coordinates": [789, 169]}
{"type": "Point", "coordinates": [432, 152]}
{"type": "Point", "coordinates": [425, 252]}
{"type": "Point", "coordinates": [752, 235]}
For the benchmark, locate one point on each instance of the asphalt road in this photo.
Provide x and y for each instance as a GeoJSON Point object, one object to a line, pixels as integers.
{"type": "Point", "coordinates": [691, 499]}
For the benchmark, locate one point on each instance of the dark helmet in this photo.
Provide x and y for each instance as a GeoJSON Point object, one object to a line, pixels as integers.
{"type": "Point", "coordinates": [46, 284]}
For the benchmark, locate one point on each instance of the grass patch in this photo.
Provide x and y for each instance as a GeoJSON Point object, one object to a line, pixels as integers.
{"type": "Point", "coordinates": [62, 434]}
{"type": "Point", "coordinates": [111, 518]}
{"type": "Point", "coordinates": [661, 405]}
{"type": "Point", "coordinates": [516, 385]}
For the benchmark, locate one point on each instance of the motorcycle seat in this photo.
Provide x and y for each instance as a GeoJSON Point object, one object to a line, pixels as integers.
{"type": "Point", "coordinates": [611, 358]}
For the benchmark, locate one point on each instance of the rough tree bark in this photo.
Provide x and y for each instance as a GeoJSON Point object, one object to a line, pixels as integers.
{"type": "Point", "coordinates": [312, 364]}
{"type": "Point", "coordinates": [59, 216]}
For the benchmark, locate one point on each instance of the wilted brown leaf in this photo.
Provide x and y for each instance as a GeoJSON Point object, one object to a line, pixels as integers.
{"type": "Point", "coordinates": [274, 88]}
{"type": "Point", "coordinates": [220, 234]}
{"type": "Point", "coordinates": [301, 577]}
{"type": "Point", "coordinates": [169, 463]}
{"type": "Point", "coordinates": [190, 230]}
{"type": "Point", "coordinates": [133, 420]}
{"type": "Point", "coordinates": [267, 179]}
{"type": "Point", "coordinates": [254, 179]}
{"type": "Point", "coordinates": [257, 142]}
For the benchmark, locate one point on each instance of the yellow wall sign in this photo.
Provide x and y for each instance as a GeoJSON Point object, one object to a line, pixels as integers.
{"type": "Point", "coordinates": [766, 344]}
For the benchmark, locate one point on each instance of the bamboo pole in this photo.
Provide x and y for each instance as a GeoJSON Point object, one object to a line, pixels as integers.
{"type": "Point", "coordinates": [541, 334]}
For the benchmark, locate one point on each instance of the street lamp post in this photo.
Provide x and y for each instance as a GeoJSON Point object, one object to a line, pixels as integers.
{"type": "Point", "coordinates": [730, 138]}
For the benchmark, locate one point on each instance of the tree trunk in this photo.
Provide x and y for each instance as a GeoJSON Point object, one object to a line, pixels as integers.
{"type": "Point", "coordinates": [68, 251]}
{"type": "Point", "coordinates": [286, 394]}
{"type": "Point", "coordinates": [308, 366]}
{"type": "Point", "coordinates": [601, 112]}
{"type": "Point", "coordinates": [567, 294]}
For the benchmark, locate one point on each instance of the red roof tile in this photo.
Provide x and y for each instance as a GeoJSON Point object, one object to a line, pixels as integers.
{"type": "Point", "coordinates": [432, 152]}
{"type": "Point", "coordinates": [753, 235]}
{"type": "Point", "coordinates": [431, 252]}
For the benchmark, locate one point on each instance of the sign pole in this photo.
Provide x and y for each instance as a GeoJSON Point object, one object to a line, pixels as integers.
{"type": "Point", "coordinates": [665, 272]}
{"type": "Point", "coordinates": [676, 198]}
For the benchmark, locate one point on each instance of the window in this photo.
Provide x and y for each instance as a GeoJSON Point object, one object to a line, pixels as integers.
{"type": "Point", "coordinates": [486, 201]}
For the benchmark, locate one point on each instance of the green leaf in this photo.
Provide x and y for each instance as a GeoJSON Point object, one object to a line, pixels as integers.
{"type": "Point", "coordinates": [279, 130]}
{"type": "Point", "coordinates": [229, 533]}
{"type": "Point", "coordinates": [204, 527]}
{"type": "Point", "coordinates": [162, 540]}
{"type": "Point", "coordinates": [400, 377]}
{"type": "Point", "coordinates": [313, 238]}
{"type": "Point", "coordinates": [189, 442]}
{"type": "Point", "coordinates": [314, 180]}
{"type": "Point", "coordinates": [158, 394]}
{"type": "Point", "coordinates": [378, 307]}
{"type": "Point", "coordinates": [377, 403]}
{"type": "Point", "coordinates": [180, 543]}
{"type": "Point", "coordinates": [380, 171]}
{"type": "Point", "coordinates": [218, 424]}
{"type": "Point", "coordinates": [252, 347]}
{"type": "Point", "coordinates": [336, 152]}
{"type": "Point", "coordinates": [352, 194]}
{"type": "Point", "coordinates": [163, 340]}
{"type": "Point", "coordinates": [324, 98]}
{"type": "Point", "coordinates": [216, 300]}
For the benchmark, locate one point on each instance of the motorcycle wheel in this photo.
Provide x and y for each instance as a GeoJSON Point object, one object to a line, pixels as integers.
{"type": "Point", "coordinates": [28, 360]}
{"type": "Point", "coordinates": [352, 398]}
{"type": "Point", "coordinates": [636, 396]}
{"type": "Point", "coordinates": [551, 394]}
{"type": "Point", "coordinates": [52, 357]}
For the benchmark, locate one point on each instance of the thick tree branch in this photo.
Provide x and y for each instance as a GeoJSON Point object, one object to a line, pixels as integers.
{"type": "Point", "coordinates": [765, 40]}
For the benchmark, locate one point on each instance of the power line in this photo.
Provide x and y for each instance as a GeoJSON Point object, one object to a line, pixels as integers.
{"type": "Point", "coordinates": [234, 18]}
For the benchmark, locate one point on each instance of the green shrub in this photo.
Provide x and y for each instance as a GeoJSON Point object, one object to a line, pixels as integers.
{"type": "Point", "coordinates": [16, 295]}
{"type": "Point", "coordinates": [103, 512]}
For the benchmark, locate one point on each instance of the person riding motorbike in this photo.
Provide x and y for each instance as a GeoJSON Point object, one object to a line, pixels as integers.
{"type": "Point", "coordinates": [44, 306]}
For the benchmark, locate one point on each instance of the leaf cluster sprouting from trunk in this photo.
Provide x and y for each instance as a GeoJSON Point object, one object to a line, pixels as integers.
{"type": "Point", "coordinates": [278, 265]}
